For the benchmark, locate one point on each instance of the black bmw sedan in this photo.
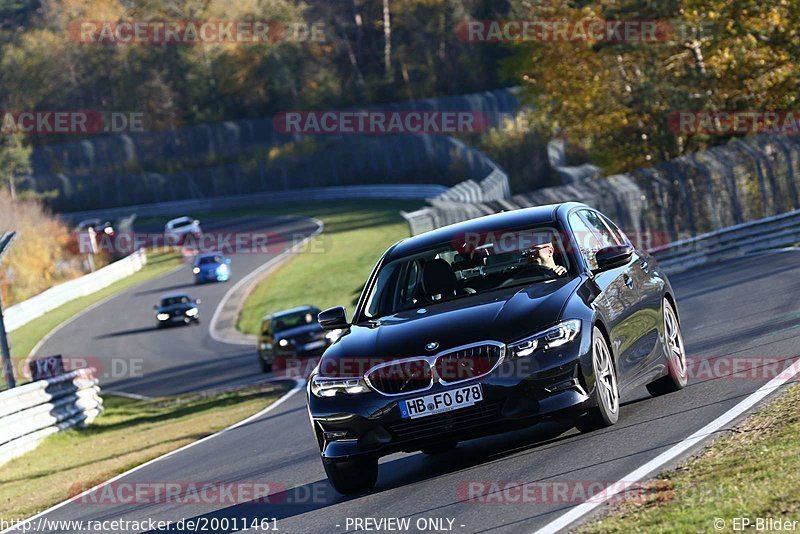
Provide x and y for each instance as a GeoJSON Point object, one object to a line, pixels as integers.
{"type": "Point", "coordinates": [490, 325]}
{"type": "Point", "coordinates": [291, 334]}
{"type": "Point", "coordinates": [177, 309]}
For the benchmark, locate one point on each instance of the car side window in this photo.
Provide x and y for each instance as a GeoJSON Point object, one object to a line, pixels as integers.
{"type": "Point", "coordinates": [588, 242]}
{"type": "Point", "coordinates": [623, 239]}
{"type": "Point", "coordinates": [595, 222]}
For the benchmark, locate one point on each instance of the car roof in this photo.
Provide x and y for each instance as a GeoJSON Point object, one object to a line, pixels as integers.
{"type": "Point", "coordinates": [179, 219]}
{"type": "Point", "coordinates": [175, 295]}
{"type": "Point", "coordinates": [507, 220]}
{"type": "Point", "coordinates": [289, 312]}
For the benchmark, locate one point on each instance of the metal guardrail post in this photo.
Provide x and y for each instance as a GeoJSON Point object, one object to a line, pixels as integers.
{"type": "Point", "coordinates": [5, 352]}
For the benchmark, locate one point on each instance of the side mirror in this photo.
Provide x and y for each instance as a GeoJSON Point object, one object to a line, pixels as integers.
{"type": "Point", "coordinates": [198, 301]}
{"type": "Point", "coordinates": [155, 307]}
{"type": "Point", "coordinates": [333, 318]}
{"type": "Point", "coordinates": [196, 222]}
{"type": "Point", "coordinates": [614, 256]}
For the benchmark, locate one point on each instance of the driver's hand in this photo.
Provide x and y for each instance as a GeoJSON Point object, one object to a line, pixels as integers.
{"type": "Point", "coordinates": [560, 270]}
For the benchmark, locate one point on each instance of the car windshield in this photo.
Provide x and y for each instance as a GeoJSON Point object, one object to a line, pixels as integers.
{"type": "Point", "coordinates": [181, 224]}
{"type": "Point", "coordinates": [293, 320]}
{"type": "Point", "coordinates": [469, 265]}
{"type": "Point", "coordinates": [169, 301]}
{"type": "Point", "coordinates": [209, 259]}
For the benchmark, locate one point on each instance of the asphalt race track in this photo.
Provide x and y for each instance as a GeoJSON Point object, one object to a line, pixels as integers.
{"type": "Point", "coordinates": [743, 310]}
{"type": "Point", "coordinates": [120, 337]}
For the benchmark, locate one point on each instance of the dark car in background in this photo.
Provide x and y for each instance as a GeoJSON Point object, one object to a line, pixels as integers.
{"type": "Point", "coordinates": [98, 225]}
{"type": "Point", "coordinates": [211, 267]}
{"type": "Point", "coordinates": [490, 325]}
{"type": "Point", "coordinates": [292, 333]}
{"type": "Point", "coordinates": [178, 308]}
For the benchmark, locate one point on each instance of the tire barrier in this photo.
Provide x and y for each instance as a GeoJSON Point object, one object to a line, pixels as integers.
{"type": "Point", "coordinates": [31, 412]}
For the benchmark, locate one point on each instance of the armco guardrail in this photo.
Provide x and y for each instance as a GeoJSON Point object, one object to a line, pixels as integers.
{"type": "Point", "coordinates": [28, 310]}
{"type": "Point", "coordinates": [201, 205]}
{"type": "Point", "coordinates": [762, 234]}
{"type": "Point", "coordinates": [30, 413]}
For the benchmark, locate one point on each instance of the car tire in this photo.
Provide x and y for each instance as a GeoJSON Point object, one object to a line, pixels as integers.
{"type": "Point", "coordinates": [352, 476]}
{"type": "Point", "coordinates": [266, 367]}
{"type": "Point", "coordinates": [439, 448]}
{"type": "Point", "coordinates": [677, 369]}
{"type": "Point", "coordinates": [606, 390]}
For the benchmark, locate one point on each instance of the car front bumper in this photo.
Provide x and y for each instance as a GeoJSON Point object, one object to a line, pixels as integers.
{"type": "Point", "coordinates": [179, 319]}
{"type": "Point", "coordinates": [211, 276]}
{"type": "Point", "coordinates": [517, 394]}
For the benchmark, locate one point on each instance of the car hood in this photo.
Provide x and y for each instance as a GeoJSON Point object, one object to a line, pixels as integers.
{"type": "Point", "coordinates": [504, 315]}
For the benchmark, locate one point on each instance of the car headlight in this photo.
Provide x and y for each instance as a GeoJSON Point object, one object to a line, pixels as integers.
{"type": "Point", "coordinates": [196, 270]}
{"type": "Point", "coordinates": [329, 387]}
{"type": "Point", "coordinates": [191, 312]}
{"type": "Point", "coordinates": [266, 346]}
{"type": "Point", "coordinates": [553, 337]}
{"type": "Point", "coordinates": [162, 316]}
{"type": "Point", "coordinates": [222, 268]}
{"type": "Point", "coordinates": [283, 342]}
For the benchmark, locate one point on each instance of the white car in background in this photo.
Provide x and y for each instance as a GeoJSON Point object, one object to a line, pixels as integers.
{"type": "Point", "coordinates": [176, 230]}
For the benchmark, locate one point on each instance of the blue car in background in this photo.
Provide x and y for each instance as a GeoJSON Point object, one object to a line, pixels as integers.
{"type": "Point", "coordinates": [211, 267]}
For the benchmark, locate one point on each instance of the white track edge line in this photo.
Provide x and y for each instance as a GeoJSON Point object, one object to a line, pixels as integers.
{"type": "Point", "coordinates": [638, 474]}
{"type": "Point", "coordinates": [299, 384]}
{"type": "Point", "coordinates": [212, 328]}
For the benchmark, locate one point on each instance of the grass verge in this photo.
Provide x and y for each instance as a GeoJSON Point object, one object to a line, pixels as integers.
{"type": "Point", "coordinates": [331, 270]}
{"type": "Point", "coordinates": [24, 339]}
{"type": "Point", "coordinates": [128, 433]}
{"type": "Point", "coordinates": [753, 472]}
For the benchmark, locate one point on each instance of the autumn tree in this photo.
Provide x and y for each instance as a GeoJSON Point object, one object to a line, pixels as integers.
{"type": "Point", "coordinates": [617, 98]}
{"type": "Point", "coordinates": [14, 160]}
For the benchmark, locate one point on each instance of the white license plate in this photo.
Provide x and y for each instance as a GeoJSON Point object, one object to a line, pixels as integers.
{"type": "Point", "coordinates": [315, 345]}
{"type": "Point", "coordinates": [445, 401]}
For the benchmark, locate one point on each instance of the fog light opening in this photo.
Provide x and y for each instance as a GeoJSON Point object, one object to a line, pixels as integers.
{"type": "Point", "coordinates": [331, 435]}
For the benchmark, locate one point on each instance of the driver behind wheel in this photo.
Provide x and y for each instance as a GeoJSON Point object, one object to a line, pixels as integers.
{"type": "Point", "coordinates": [543, 255]}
